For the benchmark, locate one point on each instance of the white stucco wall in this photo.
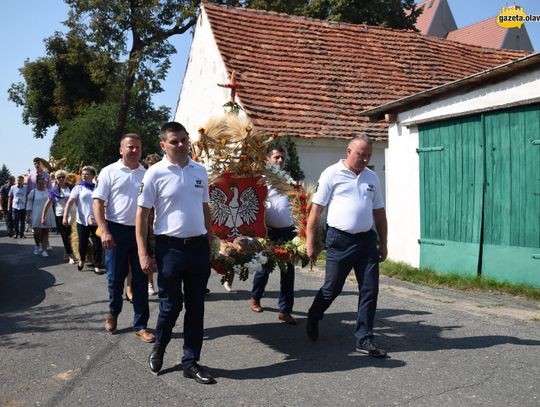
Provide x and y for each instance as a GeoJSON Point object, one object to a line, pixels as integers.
{"type": "Point", "coordinates": [403, 195]}
{"type": "Point", "coordinates": [200, 97]}
{"type": "Point", "coordinates": [317, 154]}
{"type": "Point", "coordinates": [402, 162]}
{"type": "Point", "coordinates": [520, 89]}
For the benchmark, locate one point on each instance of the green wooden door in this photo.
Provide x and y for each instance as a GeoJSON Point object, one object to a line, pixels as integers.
{"type": "Point", "coordinates": [511, 239]}
{"type": "Point", "coordinates": [451, 192]}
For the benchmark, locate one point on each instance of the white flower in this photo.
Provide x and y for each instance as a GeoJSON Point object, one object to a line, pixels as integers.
{"type": "Point", "coordinates": [253, 266]}
{"type": "Point", "coordinates": [261, 258]}
{"type": "Point", "coordinates": [237, 268]}
{"type": "Point", "coordinates": [297, 241]}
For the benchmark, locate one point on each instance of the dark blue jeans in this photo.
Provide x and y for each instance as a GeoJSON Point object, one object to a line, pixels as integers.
{"type": "Point", "coordinates": [118, 260]}
{"type": "Point", "coordinates": [346, 252]}
{"type": "Point", "coordinates": [183, 271]}
{"type": "Point", "coordinates": [19, 215]}
{"type": "Point", "coordinates": [286, 287]}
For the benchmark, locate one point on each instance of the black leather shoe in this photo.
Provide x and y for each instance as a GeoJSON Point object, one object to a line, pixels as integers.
{"type": "Point", "coordinates": [155, 360]}
{"type": "Point", "coordinates": [200, 374]}
{"type": "Point", "coordinates": [368, 347]}
{"type": "Point", "coordinates": [312, 328]}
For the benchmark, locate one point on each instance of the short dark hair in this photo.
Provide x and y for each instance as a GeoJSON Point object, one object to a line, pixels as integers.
{"type": "Point", "coordinates": [37, 160]}
{"type": "Point", "coordinates": [173, 127]}
{"type": "Point", "coordinates": [131, 135]}
{"type": "Point", "coordinates": [277, 147]}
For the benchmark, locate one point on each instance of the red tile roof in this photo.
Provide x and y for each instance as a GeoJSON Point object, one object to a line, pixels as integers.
{"type": "Point", "coordinates": [312, 78]}
{"type": "Point", "coordinates": [424, 20]}
{"type": "Point", "coordinates": [486, 33]}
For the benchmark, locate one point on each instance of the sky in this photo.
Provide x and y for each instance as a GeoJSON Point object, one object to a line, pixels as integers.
{"type": "Point", "coordinates": [25, 23]}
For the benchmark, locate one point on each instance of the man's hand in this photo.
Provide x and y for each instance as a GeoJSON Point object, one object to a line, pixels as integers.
{"type": "Point", "coordinates": [107, 240]}
{"type": "Point", "coordinates": [383, 252]}
{"type": "Point", "coordinates": [148, 264]}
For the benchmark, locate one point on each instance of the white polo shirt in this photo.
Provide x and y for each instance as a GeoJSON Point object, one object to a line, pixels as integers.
{"type": "Point", "coordinates": [18, 195]}
{"type": "Point", "coordinates": [278, 210]}
{"type": "Point", "coordinates": [177, 194]}
{"type": "Point", "coordinates": [119, 185]}
{"type": "Point", "coordinates": [350, 198]}
{"type": "Point", "coordinates": [83, 198]}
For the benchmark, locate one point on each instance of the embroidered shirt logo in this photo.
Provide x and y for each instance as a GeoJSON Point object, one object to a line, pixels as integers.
{"type": "Point", "coordinates": [141, 188]}
{"type": "Point", "coordinates": [198, 183]}
{"type": "Point", "coordinates": [371, 188]}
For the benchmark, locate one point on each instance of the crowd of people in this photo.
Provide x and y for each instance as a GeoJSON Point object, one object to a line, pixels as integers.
{"type": "Point", "coordinates": [157, 219]}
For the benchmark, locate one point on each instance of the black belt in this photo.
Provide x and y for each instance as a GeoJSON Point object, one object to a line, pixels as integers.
{"type": "Point", "coordinates": [359, 235]}
{"type": "Point", "coordinates": [182, 240]}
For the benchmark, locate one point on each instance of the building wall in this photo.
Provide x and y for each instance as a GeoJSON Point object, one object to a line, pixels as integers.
{"type": "Point", "coordinates": [200, 97]}
{"type": "Point", "coordinates": [317, 154]}
{"type": "Point", "coordinates": [443, 21]}
{"type": "Point", "coordinates": [403, 195]}
{"type": "Point", "coordinates": [520, 89]}
{"type": "Point", "coordinates": [517, 38]}
{"type": "Point", "coordinates": [402, 162]}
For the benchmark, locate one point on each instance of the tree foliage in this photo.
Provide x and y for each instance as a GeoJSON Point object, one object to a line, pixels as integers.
{"type": "Point", "coordinates": [59, 85]}
{"type": "Point", "coordinates": [4, 174]}
{"type": "Point", "coordinates": [86, 140]}
{"type": "Point", "coordinates": [386, 13]}
{"type": "Point", "coordinates": [137, 30]}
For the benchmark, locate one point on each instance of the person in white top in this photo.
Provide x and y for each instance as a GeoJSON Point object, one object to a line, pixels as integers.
{"type": "Point", "coordinates": [17, 206]}
{"type": "Point", "coordinates": [58, 197]}
{"type": "Point", "coordinates": [280, 225]}
{"type": "Point", "coordinates": [81, 195]}
{"type": "Point", "coordinates": [36, 201]}
{"type": "Point", "coordinates": [177, 189]}
{"type": "Point", "coordinates": [352, 193]}
{"type": "Point", "coordinates": [117, 188]}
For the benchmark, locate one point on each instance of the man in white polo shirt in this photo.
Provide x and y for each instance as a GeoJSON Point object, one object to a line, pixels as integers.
{"type": "Point", "coordinates": [118, 187]}
{"type": "Point", "coordinates": [280, 225]}
{"type": "Point", "coordinates": [352, 193]}
{"type": "Point", "coordinates": [177, 189]}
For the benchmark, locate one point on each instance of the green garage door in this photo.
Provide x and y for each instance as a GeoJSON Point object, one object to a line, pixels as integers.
{"type": "Point", "coordinates": [480, 206]}
{"type": "Point", "coordinates": [451, 179]}
{"type": "Point", "coordinates": [511, 249]}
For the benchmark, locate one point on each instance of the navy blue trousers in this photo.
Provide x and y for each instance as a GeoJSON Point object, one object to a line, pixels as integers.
{"type": "Point", "coordinates": [346, 252]}
{"type": "Point", "coordinates": [19, 216]}
{"type": "Point", "coordinates": [117, 261]}
{"type": "Point", "coordinates": [286, 286]}
{"type": "Point", "coordinates": [183, 271]}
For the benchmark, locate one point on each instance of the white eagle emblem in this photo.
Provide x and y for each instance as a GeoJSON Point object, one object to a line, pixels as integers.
{"type": "Point", "coordinates": [238, 211]}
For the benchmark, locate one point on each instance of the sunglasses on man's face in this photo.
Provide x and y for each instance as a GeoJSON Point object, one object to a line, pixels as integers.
{"type": "Point", "coordinates": [61, 177]}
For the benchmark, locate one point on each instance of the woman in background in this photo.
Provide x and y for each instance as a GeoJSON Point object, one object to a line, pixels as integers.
{"type": "Point", "coordinates": [81, 195]}
{"type": "Point", "coordinates": [35, 204]}
{"type": "Point", "coordinates": [58, 197]}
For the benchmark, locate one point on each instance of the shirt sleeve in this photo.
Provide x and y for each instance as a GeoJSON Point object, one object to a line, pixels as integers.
{"type": "Point", "coordinates": [147, 191]}
{"type": "Point", "coordinates": [11, 193]}
{"type": "Point", "coordinates": [30, 203]}
{"type": "Point", "coordinates": [103, 187]}
{"type": "Point", "coordinates": [324, 189]}
{"type": "Point", "coordinates": [378, 200]}
{"type": "Point", "coordinates": [74, 194]}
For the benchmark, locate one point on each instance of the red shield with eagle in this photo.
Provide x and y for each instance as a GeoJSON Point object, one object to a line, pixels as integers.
{"type": "Point", "coordinates": [237, 206]}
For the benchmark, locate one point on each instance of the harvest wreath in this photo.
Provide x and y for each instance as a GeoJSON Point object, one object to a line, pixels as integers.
{"type": "Point", "coordinates": [234, 153]}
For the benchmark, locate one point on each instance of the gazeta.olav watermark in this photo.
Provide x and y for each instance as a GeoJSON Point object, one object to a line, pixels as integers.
{"type": "Point", "coordinates": [514, 17]}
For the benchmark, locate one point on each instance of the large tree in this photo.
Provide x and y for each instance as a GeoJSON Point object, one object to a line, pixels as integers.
{"type": "Point", "coordinates": [136, 31]}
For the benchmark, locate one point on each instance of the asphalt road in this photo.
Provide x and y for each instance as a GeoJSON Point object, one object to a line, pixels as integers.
{"type": "Point", "coordinates": [447, 348]}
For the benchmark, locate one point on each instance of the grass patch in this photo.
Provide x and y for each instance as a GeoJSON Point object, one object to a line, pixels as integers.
{"type": "Point", "coordinates": [432, 279]}
{"type": "Point", "coordinates": [466, 283]}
